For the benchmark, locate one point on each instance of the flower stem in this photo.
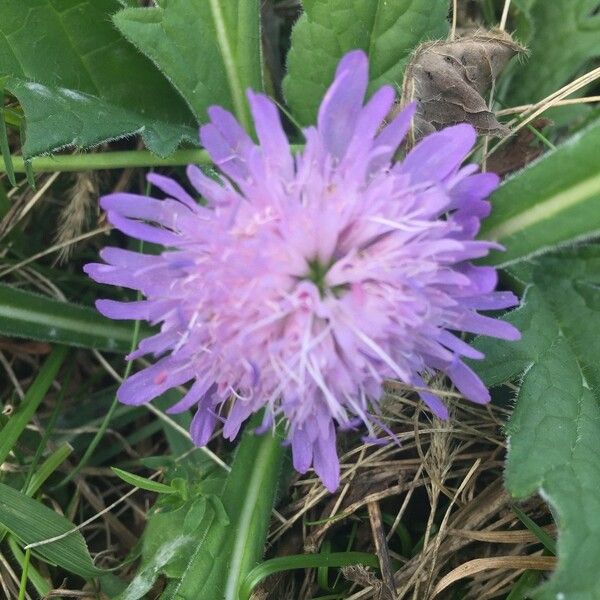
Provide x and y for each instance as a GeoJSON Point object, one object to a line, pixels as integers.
{"type": "Point", "coordinates": [95, 161]}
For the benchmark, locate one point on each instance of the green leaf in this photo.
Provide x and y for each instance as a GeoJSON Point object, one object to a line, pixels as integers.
{"type": "Point", "coordinates": [143, 482]}
{"type": "Point", "coordinates": [562, 36]}
{"type": "Point", "coordinates": [535, 210]}
{"type": "Point", "coordinates": [48, 467]}
{"type": "Point", "coordinates": [25, 314]}
{"type": "Point", "coordinates": [209, 49]}
{"type": "Point", "coordinates": [36, 392]}
{"type": "Point", "coordinates": [232, 541]}
{"type": "Point", "coordinates": [387, 31]}
{"type": "Point", "coordinates": [30, 521]}
{"type": "Point", "coordinates": [554, 432]}
{"type": "Point", "coordinates": [4, 147]}
{"type": "Point", "coordinates": [81, 83]}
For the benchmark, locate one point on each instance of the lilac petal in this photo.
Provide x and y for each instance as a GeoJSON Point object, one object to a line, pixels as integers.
{"type": "Point", "coordinates": [435, 405]}
{"type": "Point", "coordinates": [210, 190]}
{"type": "Point", "coordinates": [302, 450]}
{"type": "Point", "coordinates": [227, 143]}
{"type": "Point", "coordinates": [123, 310]}
{"type": "Point", "coordinates": [273, 140]}
{"type": "Point", "coordinates": [369, 121]}
{"type": "Point", "coordinates": [202, 426]}
{"type": "Point", "coordinates": [438, 155]}
{"type": "Point", "coordinates": [457, 345]}
{"type": "Point", "coordinates": [141, 231]}
{"type": "Point", "coordinates": [474, 187]}
{"type": "Point", "coordinates": [133, 206]}
{"type": "Point", "coordinates": [325, 461]}
{"type": "Point", "coordinates": [200, 388]}
{"type": "Point", "coordinates": [127, 258]}
{"type": "Point", "coordinates": [173, 189]}
{"type": "Point", "coordinates": [467, 382]}
{"type": "Point", "coordinates": [237, 415]}
{"type": "Point", "coordinates": [342, 103]}
{"type": "Point", "coordinates": [392, 135]}
{"type": "Point", "coordinates": [474, 323]}
{"type": "Point", "coordinates": [153, 381]}
{"type": "Point", "coordinates": [155, 344]}
{"type": "Point", "coordinates": [491, 301]}
{"type": "Point", "coordinates": [484, 279]}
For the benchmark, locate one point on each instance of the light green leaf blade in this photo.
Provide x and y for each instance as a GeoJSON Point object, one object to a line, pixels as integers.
{"type": "Point", "coordinates": [387, 31]}
{"type": "Point", "coordinates": [536, 210]}
{"type": "Point", "coordinates": [237, 533]}
{"type": "Point", "coordinates": [143, 482]}
{"type": "Point", "coordinates": [82, 83]}
{"type": "Point", "coordinates": [31, 521]}
{"type": "Point", "coordinates": [25, 314]}
{"type": "Point", "coordinates": [562, 37]}
{"type": "Point", "coordinates": [554, 432]}
{"type": "Point", "coordinates": [209, 49]}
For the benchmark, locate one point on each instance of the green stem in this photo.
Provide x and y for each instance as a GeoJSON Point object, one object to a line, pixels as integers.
{"type": "Point", "coordinates": [95, 161]}
{"type": "Point", "coordinates": [98, 161]}
{"type": "Point", "coordinates": [23, 585]}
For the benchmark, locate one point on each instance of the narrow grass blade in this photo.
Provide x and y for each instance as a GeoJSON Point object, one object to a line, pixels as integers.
{"type": "Point", "coordinates": [304, 561]}
{"type": "Point", "coordinates": [35, 394]}
{"type": "Point", "coordinates": [547, 541]}
{"type": "Point", "coordinates": [4, 148]}
{"type": "Point", "coordinates": [42, 587]}
{"type": "Point", "coordinates": [47, 468]}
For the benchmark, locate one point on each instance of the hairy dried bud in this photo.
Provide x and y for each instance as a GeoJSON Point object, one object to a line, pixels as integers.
{"type": "Point", "coordinates": [449, 80]}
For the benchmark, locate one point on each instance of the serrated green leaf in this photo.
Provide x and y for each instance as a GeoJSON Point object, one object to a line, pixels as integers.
{"type": "Point", "coordinates": [80, 83]}
{"type": "Point", "coordinates": [536, 210]}
{"type": "Point", "coordinates": [562, 36]}
{"type": "Point", "coordinates": [209, 49]}
{"type": "Point", "coordinates": [554, 432]}
{"type": "Point", "coordinates": [30, 521]}
{"type": "Point", "coordinates": [29, 315]}
{"type": "Point", "coordinates": [387, 31]}
{"type": "Point", "coordinates": [143, 482]}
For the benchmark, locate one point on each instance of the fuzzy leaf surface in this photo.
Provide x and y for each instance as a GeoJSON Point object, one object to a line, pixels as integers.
{"type": "Point", "coordinates": [536, 210]}
{"type": "Point", "coordinates": [387, 31]}
{"type": "Point", "coordinates": [182, 38]}
{"type": "Point", "coordinates": [554, 431]}
{"type": "Point", "coordinates": [80, 83]}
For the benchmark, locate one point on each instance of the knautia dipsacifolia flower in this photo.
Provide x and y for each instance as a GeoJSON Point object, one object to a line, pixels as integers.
{"type": "Point", "coordinates": [306, 281]}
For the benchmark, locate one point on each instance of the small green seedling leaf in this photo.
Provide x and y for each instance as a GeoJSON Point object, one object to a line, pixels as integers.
{"type": "Point", "coordinates": [143, 483]}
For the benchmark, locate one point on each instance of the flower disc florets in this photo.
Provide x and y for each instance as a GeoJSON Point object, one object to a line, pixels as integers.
{"type": "Point", "coordinates": [308, 280]}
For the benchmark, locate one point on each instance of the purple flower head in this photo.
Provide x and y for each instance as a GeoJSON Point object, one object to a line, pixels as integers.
{"type": "Point", "coordinates": [309, 279]}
